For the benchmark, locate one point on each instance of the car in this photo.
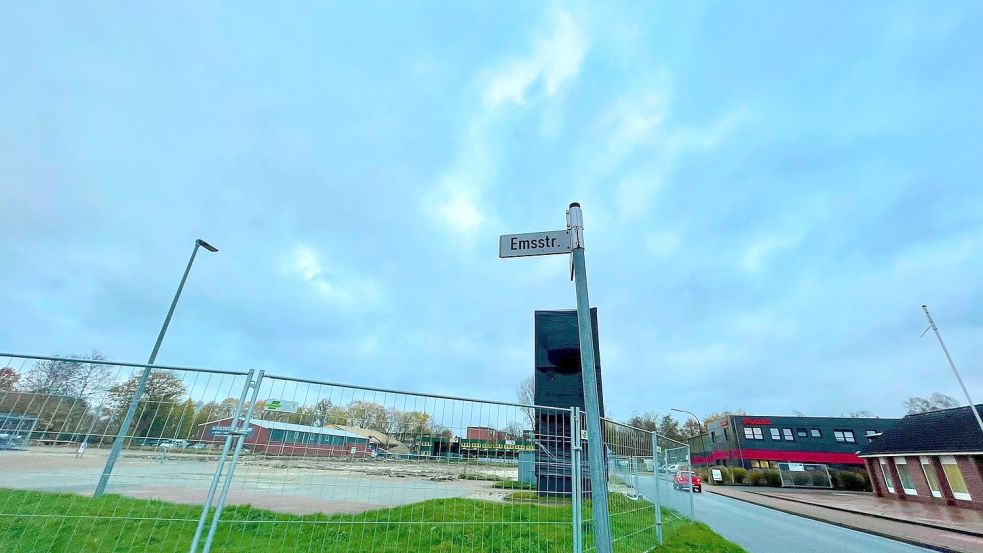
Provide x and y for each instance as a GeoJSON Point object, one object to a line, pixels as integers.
{"type": "Point", "coordinates": [685, 479]}
{"type": "Point", "coordinates": [670, 469]}
{"type": "Point", "coordinates": [199, 445]}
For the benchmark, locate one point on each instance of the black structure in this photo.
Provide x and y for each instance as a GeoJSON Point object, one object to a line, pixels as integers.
{"type": "Point", "coordinates": [559, 383]}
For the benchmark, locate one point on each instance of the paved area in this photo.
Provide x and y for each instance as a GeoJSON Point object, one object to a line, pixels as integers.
{"type": "Point", "coordinates": [963, 520]}
{"type": "Point", "coordinates": [936, 538]}
{"type": "Point", "coordinates": [298, 486]}
{"type": "Point", "coordinates": [762, 530]}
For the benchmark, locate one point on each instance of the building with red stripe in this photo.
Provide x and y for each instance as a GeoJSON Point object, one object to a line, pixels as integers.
{"type": "Point", "coordinates": [762, 442]}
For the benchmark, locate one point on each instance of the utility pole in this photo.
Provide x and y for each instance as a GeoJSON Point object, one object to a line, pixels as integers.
{"type": "Point", "coordinates": [935, 328]}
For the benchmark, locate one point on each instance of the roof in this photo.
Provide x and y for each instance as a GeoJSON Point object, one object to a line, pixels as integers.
{"type": "Point", "coordinates": [277, 425]}
{"type": "Point", "coordinates": [381, 437]}
{"type": "Point", "coordinates": [946, 431]}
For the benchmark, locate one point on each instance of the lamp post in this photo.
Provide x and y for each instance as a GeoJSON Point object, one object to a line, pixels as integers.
{"type": "Point", "coordinates": [142, 384]}
{"type": "Point", "coordinates": [706, 460]}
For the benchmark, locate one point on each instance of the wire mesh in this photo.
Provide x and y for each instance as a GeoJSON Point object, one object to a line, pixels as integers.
{"type": "Point", "coordinates": [68, 412]}
{"type": "Point", "coordinates": [676, 483]}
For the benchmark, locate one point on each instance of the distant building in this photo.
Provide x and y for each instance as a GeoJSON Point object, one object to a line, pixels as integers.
{"type": "Point", "coordinates": [934, 457]}
{"type": "Point", "coordinates": [283, 438]}
{"type": "Point", "coordinates": [485, 433]}
{"type": "Point", "coordinates": [380, 440]}
{"type": "Point", "coordinates": [754, 441]}
{"type": "Point", "coordinates": [15, 429]}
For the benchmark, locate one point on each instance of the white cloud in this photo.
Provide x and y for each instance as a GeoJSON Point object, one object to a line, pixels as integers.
{"type": "Point", "coordinates": [343, 292]}
{"type": "Point", "coordinates": [662, 244]}
{"type": "Point", "coordinates": [758, 253]}
{"type": "Point", "coordinates": [635, 192]}
{"type": "Point", "coordinates": [553, 61]}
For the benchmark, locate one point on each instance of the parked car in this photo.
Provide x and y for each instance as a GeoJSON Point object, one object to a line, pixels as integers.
{"type": "Point", "coordinates": [669, 469]}
{"type": "Point", "coordinates": [684, 479]}
{"type": "Point", "coordinates": [199, 445]}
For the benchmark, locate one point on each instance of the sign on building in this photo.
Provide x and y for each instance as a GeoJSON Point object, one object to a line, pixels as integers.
{"type": "Point", "coordinates": [280, 405]}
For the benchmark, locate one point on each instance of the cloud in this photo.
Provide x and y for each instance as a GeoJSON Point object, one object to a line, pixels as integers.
{"type": "Point", "coordinates": [757, 254]}
{"type": "Point", "coordinates": [662, 244]}
{"type": "Point", "coordinates": [348, 293]}
{"type": "Point", "coordinates": [554, 60]}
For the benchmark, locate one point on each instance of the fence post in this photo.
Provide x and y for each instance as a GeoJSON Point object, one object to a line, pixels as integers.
{"type": "Point", "coordinates": [577, 494]}
{"type": "Point", "coordinates": [232, 467]}
{"type": "Point", "coordinates": [658, 500]}
{"type": "Point", "coordinates": [692, 475]}
{"type": "Point", "coordinates": [221, 464]}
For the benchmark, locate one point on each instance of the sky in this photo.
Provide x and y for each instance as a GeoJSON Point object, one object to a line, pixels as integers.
{"type": "Point", "coordinates": [770, 192]}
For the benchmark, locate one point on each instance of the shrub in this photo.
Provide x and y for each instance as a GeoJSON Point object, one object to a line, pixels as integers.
{"type": "Point", "coordinates": [773, 478]}
{"type": "Point", "coordinates": [801, 479]}
{"type": "Point", "coordinates": [726, 475]}
{"type": "Point", "coordinates": [819, 479]}
{"type": "Point", "coordinates": [738, 474]}
{"type": "Point", "coordinates": [851, 480]}
{"type": "Point", "coordinates": [756, 477]}
{"type": "Point", "coordinates": [702, 473]}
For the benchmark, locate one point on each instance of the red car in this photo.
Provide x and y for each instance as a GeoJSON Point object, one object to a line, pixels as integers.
{"type": "Point", "coordinates": [684, 479]}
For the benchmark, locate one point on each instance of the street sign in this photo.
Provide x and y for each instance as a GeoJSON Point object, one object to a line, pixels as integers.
{"type": "Point", "coordinates": [281, 405]}
{"type": "Point", "coordinates": [226, 430]}
{"type": "Point", "coordinates": [550, 242]}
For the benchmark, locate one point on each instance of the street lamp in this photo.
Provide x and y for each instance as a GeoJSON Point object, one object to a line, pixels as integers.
{"type": "Point", "coordinates": [706, 453]}
{"type": "Point", "coordinates": [142, 384]}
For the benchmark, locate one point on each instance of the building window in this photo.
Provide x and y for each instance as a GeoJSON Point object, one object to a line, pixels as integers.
{"type": "Point", "coordinates": [931, 476]}
{"type": "Point", "coordinates": [955, 478]}
{"type": "Point", "coordinates": [753, 433]}
{"type": "Point", "coordinates": [787, 432]}
{"type": "Point", "coordinates": [277, 436]}
{"type": "Point", "coordinates": [888, 480]}
{"type": "Point", "coordinates": [907, 484]}
{"type": "Point", "coordinates": [844, 436]}
{"type": "Point", "coordinates": [816, 433]}
{"type": "Point", "coordinates": [801, 432]}
{"type": "Point", "coordinates": [775, 434]}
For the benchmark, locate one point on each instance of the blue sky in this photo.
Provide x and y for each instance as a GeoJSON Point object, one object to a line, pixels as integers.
{"type": "Point", "coordinates": [770, 191]}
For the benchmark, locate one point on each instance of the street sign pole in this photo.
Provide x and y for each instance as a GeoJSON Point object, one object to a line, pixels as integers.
{"type": "Point", "coordinates": [571, 240]}
{"type": "Point", "coordinates": [595, 443]}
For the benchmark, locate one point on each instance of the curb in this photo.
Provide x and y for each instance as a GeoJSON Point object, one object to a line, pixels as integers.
{"type": "Point", "coordinates": [884, 517]}
{"type": "Point", "coordinates": [909, 541]}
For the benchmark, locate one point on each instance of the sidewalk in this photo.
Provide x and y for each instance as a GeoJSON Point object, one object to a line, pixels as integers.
{"type": "Point", "coordinates": [925, 525]}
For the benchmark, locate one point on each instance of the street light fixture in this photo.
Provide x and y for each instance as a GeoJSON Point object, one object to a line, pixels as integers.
{"type": "Point", "coordinates": [142, 384]}
{"type": "Point", "coordinates": [706, 459]}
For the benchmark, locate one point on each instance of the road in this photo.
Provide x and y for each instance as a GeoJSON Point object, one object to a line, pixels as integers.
{"type": "Point", "coordinates": [762, 530]}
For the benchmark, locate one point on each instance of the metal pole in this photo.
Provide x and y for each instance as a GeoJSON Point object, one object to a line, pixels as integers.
{"type": "Point", "coordinates": [595, 444]}
{"type": "Point", "coordinates": [577, 484]}
{"type": "Point", "coordinates": [142, 384]}
{"type": "Point", "coordinates": [232, 467]}
{"type": "Point", "coordinates": [658, 500]}
{"type": "Point", "coordinates": [934, 327]}
{"type": "Point", "coordinates": [692, 475]}
{"type": "Point", "coordinates": [221, 464]}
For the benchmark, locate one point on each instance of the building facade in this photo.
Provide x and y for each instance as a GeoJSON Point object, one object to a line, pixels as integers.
{"type": "Point", "coordinates": [753, 441]}
{"type": "Point", "coordinates": [282, 438]}
{"type": "Point", "coordinates": [934, 457]}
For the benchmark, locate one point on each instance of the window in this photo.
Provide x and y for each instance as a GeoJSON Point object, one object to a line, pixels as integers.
{"type": "Point", "coordinates": [888, 480]}
{"type": "Point", "coordinates": [801, 432]}
{"type": "Point", "coordinates": [816, 433]}
{"type": "Point", "coordinates": [775, 434]}
{"type": "Point", "coordinates": [870, 435]}
{"type": "Point", "coordinates": [907, 484]}
{"type": "Point", "coordinates": [787, 432]}
{"type": "Point", "coordinates": [753, 433]}
{"type": "Point", "coordinates": [931, 476]}
{"type": "Point", "coordinates": [726, 436]}
{"type": "Point", "coordinates": [844, 436]}
{"type": "Point", "coordinates": [955, 478]}
{"type": "Point", "coordinates": [277, 436]}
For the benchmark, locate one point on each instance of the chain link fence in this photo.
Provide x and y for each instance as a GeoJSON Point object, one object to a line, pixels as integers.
{"type": "Point", "coordinates": [245, 461]}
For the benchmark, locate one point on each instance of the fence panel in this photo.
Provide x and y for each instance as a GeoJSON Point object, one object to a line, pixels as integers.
{"type": "Point", "coordinates": [58, 420]}
{"type": "Point", "coordinates": [338, 468]}
{"type": "Point", "coordinates": [674, 471]}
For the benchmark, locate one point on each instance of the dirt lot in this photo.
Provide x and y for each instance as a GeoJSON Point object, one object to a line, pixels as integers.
{"type": "Point", "coordinates": [294, 485]}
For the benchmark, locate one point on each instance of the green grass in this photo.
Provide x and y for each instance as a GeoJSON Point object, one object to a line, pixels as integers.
{"type": "Point", "coordinates": [66, 523]}
{"type": "Point", "coordinates": [513, 485]}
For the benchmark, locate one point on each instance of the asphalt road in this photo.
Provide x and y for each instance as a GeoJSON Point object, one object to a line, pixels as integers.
{"type": "Point", "coordinates": [762, 530]}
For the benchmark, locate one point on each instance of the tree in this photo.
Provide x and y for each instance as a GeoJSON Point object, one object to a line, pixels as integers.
{"type": "Point", "coordinates": [514, 430]}
{"type": "Point", "coordinates": [669, 427]}
{"type": "Point", "coordinates": [325, 412]}
{"type": "Point", "coordinates": [161, 399]}
{"type": "Point", "coordinates": [527, 396]}
{"type": "Point", "coordinates": [861, 414]}
{"type": "Point", "coordinates": [368, 414]}
{"type": "Point", "coordinates": [692, 428]}
{"type": "Point", "coordinates": [78, 379]}
{"type": "Point", "coordinates": [8, 379]}
{"type": "Point", "coordinates": [646, 421]}
{"type": "Point", "coordinates": [935, 402]}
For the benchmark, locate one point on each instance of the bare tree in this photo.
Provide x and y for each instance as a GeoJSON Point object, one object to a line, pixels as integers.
{"type": "Point", "coordinates": [935, 402]}
{"type": "Point", "coordinates": [8, 379]}
{"type": "Point", "coordinates": [527, 396]}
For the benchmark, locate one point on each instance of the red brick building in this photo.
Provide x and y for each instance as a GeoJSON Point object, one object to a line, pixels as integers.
{"type": "Point", "coordinates": [486, 433]}
{"type": "Point", "coordinates": [934, 457]}
{"type": "Point", "coordinates": [282, 438]}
